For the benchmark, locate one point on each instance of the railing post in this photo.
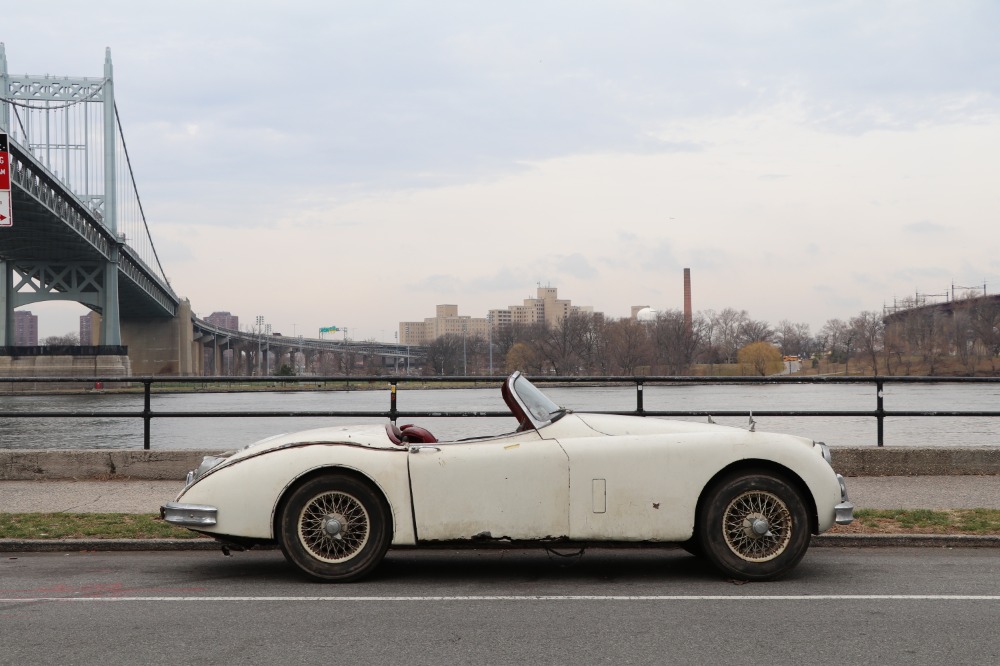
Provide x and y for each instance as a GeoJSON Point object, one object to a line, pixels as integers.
{"type": "Point", "coordinates": [147, 413]}
{"type": "Point", "coordinates": [880, 410]}
{"type": "Point", "coordinates": [638, 396]}
{"type": "Point", "coordinates": [392, 401]}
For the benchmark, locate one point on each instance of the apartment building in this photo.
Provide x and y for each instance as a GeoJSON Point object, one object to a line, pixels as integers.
{"type": "Point", "coordinates": [545, 308]}
{"type": "Point", "coordinates": [25, 329]}
{"type": "Point", "coordinates": [90, 329]}
{"type": "Point", "coordinates": [224, 320]}
{"type": "Point", "coordinates": [446, 321]}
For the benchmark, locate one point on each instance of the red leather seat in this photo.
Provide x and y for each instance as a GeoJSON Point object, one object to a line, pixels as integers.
{"type": "Point", "coordinates": [416, 435]}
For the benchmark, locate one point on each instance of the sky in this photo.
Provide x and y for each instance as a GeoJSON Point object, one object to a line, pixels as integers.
{"type": "Point", "coordinates": [357, 163]}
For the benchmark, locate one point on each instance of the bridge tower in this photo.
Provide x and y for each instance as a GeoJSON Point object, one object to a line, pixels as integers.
{"type": "Point", "coordinates": [50, 117]}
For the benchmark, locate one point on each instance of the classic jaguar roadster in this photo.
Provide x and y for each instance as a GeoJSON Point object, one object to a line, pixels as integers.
{"type": "Point", "coordinates": [335, 499]}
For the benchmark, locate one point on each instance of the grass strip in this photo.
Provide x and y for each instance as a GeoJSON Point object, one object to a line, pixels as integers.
{"type": "Point", "coordinates": [89, 526]}
{"type": "Point", "coordinates": [923, 521]}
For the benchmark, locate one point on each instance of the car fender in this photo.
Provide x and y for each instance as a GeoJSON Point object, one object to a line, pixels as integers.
{"type": "Point", "coordinates": [247, 492]}
{"type": "Point", "coordinates": [641, 487]}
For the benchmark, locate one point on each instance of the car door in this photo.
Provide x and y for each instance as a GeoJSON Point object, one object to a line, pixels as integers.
{"type": "Point", "coordinates": [631, 488]}
{"type": "Point", "coordinates": [514, 487]}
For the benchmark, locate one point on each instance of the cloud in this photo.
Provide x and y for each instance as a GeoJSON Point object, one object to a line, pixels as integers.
{"type": "Point", "coordinates": [440, 284]}
{"type": "Point", "coordinates": [925, 228]}
{"type": "Point", "coordinates": [576, 265]}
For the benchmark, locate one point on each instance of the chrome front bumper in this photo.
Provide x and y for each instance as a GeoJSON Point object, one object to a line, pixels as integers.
{"type": "Point", "coordinates": [843, 512]}
{"type": "Point", "coordinates": [189, 515]}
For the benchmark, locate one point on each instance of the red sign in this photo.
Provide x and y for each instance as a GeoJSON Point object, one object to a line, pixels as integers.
{"type": "Point", "coordinates": [5, 218]}
{"type": "Point", "coordinates": [4, 163]}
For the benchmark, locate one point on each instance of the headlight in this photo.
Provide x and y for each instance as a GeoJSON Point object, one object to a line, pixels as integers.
{"type": "Point", "coordinates": [207, 463]}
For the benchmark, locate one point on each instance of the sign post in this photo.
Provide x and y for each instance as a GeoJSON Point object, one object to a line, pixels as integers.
{"type": "Point", "coordinates": [5, 216]}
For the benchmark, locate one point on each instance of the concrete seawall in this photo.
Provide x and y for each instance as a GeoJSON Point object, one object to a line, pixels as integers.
{"type": "Point", "coordinates": [107, 464]}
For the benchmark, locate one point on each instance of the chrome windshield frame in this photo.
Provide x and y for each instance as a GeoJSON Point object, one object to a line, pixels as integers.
{"type": "Point", "coordinates": [537, 407]}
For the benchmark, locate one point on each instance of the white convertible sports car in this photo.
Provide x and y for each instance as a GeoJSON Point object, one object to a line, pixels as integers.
{"type": "Point", "coordinates": [335, 499]}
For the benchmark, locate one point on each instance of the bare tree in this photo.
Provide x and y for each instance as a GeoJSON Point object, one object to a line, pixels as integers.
{"type": "Point", "coordinates": [869, 329]}
{"type": "Point", "coordinates": [726, 327]}
{"type": "Point", "coordinates": [563, 345]}
{"type": "Point", "coordinates": [924, 334]}
{"type": "Point", "coordinates": [964, 340]}
{"type": "Point", "coordinates": [444, 355]}
{"type": "Point", "coordinates": [676, 344]}
{"type": "Point", "coordinates": [840, 341]}
{"type": "Point", "coordinates": [984, 318]}
{"type": "Point", "coordinates": [794, 339]}
{"type": "Point", "coordinates": [628, 346]}
{"type": "Point", "coordinates": [506, 336]}
{"type": "Point", "coordinates": [67, 340]}
{"type": "Point", "coordinates": [755, 331]}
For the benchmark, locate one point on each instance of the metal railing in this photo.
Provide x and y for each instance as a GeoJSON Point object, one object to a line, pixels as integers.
{"type": "Point", "coordinates": [195, 384]}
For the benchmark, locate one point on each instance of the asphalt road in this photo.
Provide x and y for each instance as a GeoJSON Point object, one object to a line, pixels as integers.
{"type": "Point", "coordinates": [840, 606]}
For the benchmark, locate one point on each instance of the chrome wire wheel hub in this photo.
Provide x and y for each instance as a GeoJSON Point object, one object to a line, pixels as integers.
{"type": "Point", "coordinates": [757, 526]}
{"type": "Point", "coordinates": [334, 526]}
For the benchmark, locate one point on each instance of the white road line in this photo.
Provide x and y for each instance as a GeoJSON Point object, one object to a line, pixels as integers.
{"type": "Point", "coordinates": [796, 597]}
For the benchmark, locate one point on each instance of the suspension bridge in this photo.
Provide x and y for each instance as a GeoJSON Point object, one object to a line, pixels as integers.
{"type": "Point", "coordinates": [73, 228]}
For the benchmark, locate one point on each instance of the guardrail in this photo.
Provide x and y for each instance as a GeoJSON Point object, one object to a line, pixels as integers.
{"type": "Point", "coordinates": [880, 413]}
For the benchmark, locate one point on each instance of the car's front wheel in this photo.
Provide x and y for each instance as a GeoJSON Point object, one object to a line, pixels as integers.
{"type": "Point", "coordinates": [754, 526]}
{"type": "Point", "coordinates": [335, 528]}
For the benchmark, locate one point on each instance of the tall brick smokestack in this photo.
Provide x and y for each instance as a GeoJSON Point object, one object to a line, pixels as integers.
{"type": "Point", "coordinates": [687, 301]}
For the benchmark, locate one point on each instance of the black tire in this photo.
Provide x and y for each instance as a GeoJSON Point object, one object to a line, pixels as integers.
{"type": "Point", "coordinates": [335, 528]}
{"type": "Point", "coordinates": [753, 526]}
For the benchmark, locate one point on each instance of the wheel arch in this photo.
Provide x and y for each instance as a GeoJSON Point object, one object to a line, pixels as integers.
{"type": "Point", "coordinates": [317, 472]}
{"type": "Point", "coordinates": [762, 465]}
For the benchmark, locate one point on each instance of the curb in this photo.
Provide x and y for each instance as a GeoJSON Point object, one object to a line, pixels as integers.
{"type": "Point", "coordinates": [205, 544]}
{"type": "Point", "coordinates": [105, 545]}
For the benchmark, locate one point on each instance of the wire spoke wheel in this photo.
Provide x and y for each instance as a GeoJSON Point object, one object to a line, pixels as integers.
{"type": "Point", "coordinates": [757, 526]}
{"type": "Point", "coordinates": [753, 525]}
{"type": "Point", "coordinates": [334, 526]}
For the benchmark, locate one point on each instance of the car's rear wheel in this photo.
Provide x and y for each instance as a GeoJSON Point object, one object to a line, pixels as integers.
{"type": "Point", "coordinates": [335, 528]}
{"type": "Point", "coordinates": [754, 526]}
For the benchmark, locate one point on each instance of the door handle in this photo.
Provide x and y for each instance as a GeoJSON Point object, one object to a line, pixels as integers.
{"type": "Point", "coordinates": [418, 449]}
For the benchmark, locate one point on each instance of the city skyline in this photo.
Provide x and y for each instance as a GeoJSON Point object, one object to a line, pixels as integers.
{"type": "Point", "coordinates": [341, 164]}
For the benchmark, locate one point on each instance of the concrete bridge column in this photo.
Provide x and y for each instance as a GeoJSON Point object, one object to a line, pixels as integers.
{"type": "Point", "coordinates": [162, 346]}
{"type": "Point", "coordinates": [311, 355]}
{"type": "Point", "coordinates": [216, 357]}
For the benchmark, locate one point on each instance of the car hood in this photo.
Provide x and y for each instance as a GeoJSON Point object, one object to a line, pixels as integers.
{"type": "Point", "coordinates": [614, 424]}
{"type": "Point", "coordinates": [371, 436]}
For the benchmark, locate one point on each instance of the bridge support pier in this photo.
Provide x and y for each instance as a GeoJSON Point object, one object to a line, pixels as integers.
{"type": "Point", "coordinates": [163, 346]}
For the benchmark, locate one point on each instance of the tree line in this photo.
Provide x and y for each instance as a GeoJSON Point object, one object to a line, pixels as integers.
{"type": "Point", "coordinates": [962, 337]}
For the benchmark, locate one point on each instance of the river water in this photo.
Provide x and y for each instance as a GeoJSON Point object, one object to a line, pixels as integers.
{"type": "Point", "coordinates": [224, 433]}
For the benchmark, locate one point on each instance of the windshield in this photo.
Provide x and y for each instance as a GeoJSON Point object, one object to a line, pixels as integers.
{"type": "Point", "coordinates": [539, 407]}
